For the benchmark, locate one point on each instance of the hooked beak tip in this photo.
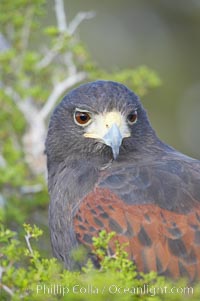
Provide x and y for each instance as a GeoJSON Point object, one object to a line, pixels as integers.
{"type": "Point", "coordinates": [113, 138]}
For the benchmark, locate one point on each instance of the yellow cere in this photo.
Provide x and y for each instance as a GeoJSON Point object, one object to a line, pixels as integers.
{"type": "Point", "coordinates": [101, 123]}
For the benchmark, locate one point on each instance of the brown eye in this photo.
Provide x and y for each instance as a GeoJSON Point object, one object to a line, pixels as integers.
{"type": "Point", "coordinates": [82, 118]}
{"type": "Point", "coordinates": [132, 117]}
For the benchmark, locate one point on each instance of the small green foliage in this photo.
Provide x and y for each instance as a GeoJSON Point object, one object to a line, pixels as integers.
{"type": "Point", "coordinates": [32, 232]}
{"type": "Point", "coordinates": [101, 243]}
{"type": "Point", "coordinates": [6, 234]}
{"type": "Point", "coordinates": [51, 31]}
{"type": "Point", "coordinates": [26, 275]}
{"type": "Point", "coordinates": [141, 79]}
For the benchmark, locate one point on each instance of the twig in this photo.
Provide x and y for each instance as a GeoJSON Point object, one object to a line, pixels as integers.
{"type": "Point", "coordinates": [62, 26]}
{"type": "Point", "coordinates": [51, 54]}
{"type": "Point", "coordinates": [23, 106]}
{"type": "Point", "coordinates": [3, 286]}
{"type": "Point", "coordinates": [61, 16]}
{"type": "Point", "coordinates": [48, 58]}
{"type": "Point", "coordinates": [27, 238]}
{"type": "Point", "coordinates": [58, 90]}
{"type": "Point", "coordinates": [11, 93]}
{"type": "Point", "coordinates": [7, 289]}
{"type": "Point", "coordinates": [80, 17]}
{"type": "Point", "coordinates": [68, 60]}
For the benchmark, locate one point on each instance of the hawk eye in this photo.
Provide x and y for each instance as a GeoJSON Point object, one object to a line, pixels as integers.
{"type": "Point", "coordinates": [132, 117]}
{"type": "Point", "coordinates": [82, 118]}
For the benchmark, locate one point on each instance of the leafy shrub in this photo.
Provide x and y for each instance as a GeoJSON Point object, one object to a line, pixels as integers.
{"type": "Point", "coordinates": [26, 275]}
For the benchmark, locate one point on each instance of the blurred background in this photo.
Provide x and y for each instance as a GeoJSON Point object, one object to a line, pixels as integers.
{"type": "Point", "coordinates": [165, 36]}
{"type": "Point", "coordinates": [46, 50]}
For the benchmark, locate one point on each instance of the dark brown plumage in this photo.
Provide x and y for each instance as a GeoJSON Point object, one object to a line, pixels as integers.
{"type": "Point", "coordinates": [107, 169]}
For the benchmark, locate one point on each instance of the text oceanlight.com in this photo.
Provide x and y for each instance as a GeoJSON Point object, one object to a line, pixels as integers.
{"type": "Point", "coordinates": [113, 289]}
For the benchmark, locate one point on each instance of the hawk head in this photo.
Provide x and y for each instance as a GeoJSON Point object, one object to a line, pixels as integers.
{"type": "Point", "coordinates": [103, 118]}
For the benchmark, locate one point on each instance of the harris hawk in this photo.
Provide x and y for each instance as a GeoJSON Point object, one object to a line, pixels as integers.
{"type": "Point", "coordinates": [107, 169]}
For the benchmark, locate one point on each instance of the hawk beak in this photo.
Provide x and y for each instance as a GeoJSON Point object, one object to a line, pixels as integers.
{"type": "Point", "coordinates": [113, 138]}
{"type": "Point", "coordinates": [109, 128]}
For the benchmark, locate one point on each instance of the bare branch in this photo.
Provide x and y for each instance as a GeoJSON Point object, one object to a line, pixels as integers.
{"type": "Point", "coordinates": [62, 26]}
{"type": "Point", "coordinates": [25, 106]}
{"type": "Point", "coordinates": [60, 15]}
{"type": "Point", "coordinates": [80, 17]}
{"type": "Point", "coordinates": [48, 58]}
{"type": "Point", "coordinates": [58, 90]}
{"type": "Point", "coordinates": [28, 109]}
{"type": "Point", "coordinates": [11, 93]}
{"type": "Point", "coordinates": [7, 289]}
{"type": "Point", "coordinates": [62, 18]}
{"type": "Point", "coordinates": [51, 54]}
{"type": "Point", "coordinates": [68, 60]}
{"type": "Point", "coordinates": [27, 238]}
